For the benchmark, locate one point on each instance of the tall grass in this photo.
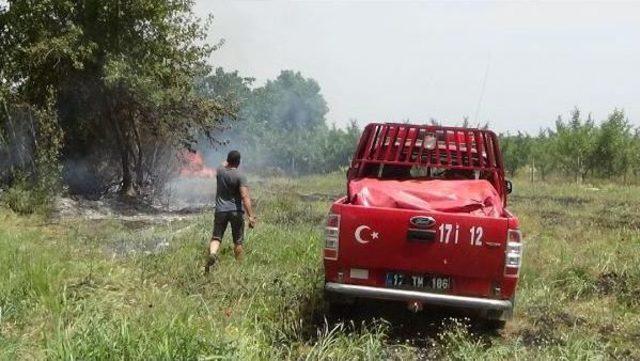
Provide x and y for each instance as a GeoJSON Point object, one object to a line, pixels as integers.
{"type": "Point", "coordinates": [93, 290]}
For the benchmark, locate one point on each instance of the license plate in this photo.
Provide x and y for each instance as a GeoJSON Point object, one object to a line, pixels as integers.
{"type": "Point", "coordinates": [395, 279]}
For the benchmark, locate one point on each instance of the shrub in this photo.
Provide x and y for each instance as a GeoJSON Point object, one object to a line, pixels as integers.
{"type": "Point", "coordinates": [23, 199]}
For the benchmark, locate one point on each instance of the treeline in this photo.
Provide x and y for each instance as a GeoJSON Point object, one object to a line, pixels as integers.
{"type": "Point", "coordinates": [98, 96]}
{"type": "Point", "coordinates": [281, 126]}
{"type": "Point", "coordinates": [576, 148]}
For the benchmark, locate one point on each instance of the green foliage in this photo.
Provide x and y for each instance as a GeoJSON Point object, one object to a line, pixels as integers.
{"type": "Point", "coordinates": [543, 154]}
{"type": "Point", "coordinates": [339, 146]}
{"type": "Point", "coordinates": [634, 153]}
{"type": "Point", "coordinates": [613, 146]}
{"type": "Point", "coordinates": [286, 115]}
{"type": "Point", "coordinates": [31, 153]}
{"type": "Point", "coordinates": [47, 147]}
{"type": "Point", "coordinates": [516, 152]}
{"type": "Point", "coordinates": [23, 199]}
{"type": "Point", "coordinates": [577, 148]}
{"type": "Point", "coordinates": [282, 124]}
{"type": "Point", "coordinates": [575, 141]}
{"type": "Point", "coordinates": [121, 74]}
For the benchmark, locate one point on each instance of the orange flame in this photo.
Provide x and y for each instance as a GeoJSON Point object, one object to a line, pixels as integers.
{"type": "Point", "coordinates": [194, 167]}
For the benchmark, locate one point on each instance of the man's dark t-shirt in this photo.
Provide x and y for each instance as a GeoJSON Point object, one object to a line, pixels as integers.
{"type": "Point", "coordinates": [229, 181]}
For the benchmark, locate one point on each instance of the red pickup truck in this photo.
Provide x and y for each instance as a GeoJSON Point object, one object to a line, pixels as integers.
{"type": "Point", "coordinates": [425, 222]}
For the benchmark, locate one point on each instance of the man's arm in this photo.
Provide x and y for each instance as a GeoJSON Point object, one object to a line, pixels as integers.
{"type": "Point", "coordinates": [246, 202]}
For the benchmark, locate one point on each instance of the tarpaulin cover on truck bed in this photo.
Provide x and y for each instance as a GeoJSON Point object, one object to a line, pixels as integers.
{"type": "Point", "coordinates": [477, 197]}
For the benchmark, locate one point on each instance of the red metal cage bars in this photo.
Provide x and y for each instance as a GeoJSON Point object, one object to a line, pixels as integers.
{"type": "Point", "coordinates": [429, 146]}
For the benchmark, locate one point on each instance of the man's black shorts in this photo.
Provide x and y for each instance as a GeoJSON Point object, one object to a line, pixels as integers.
{"type": "Point", "coordinates": [237, 226]}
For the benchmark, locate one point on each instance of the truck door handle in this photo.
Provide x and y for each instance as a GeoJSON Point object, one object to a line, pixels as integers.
{"type": "Point", "coordinates": [493, 244]}
{"type": "Point", "coordinates": [421, 235]}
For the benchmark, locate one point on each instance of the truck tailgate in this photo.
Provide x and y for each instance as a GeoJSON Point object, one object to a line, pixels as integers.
{"type": "Point", "coordinates": [454, 244]}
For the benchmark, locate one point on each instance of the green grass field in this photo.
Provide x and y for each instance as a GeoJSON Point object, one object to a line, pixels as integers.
{"type": "Point", "coordinates": [109, 289]}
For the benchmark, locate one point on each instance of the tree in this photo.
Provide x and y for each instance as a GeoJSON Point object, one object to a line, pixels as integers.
{"type": "Point", "coordinates": [574, 142]}
{"type": "Point", "coordinates": [634, 151]}
{"type": "Point", "coordinates": [544, 155]}
{"type": "Point", "coordinates": [122, 74]}
{"type": "Point", "coordinates": [340, 145]}
{"type": "Point", "coordinates": [611, 150]}
{"type": "Point", "coordinates": [516, 151]}
{"type": "Point", "coordinates": [235, 90]}
{"type": "Point", "coordinates": [280, 122]}
{"type": "Point", "coordinates": [281, 125]}
{"type": "Point", "coordinates": [226, 87]}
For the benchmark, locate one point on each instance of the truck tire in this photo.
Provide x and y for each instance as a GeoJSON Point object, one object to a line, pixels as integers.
{"type": "Point", "coordinates": [493, 321]}
{"type": "Point", "coordinates": [338, 305]}
{"type": "Point", "coordinates": [494, 325]}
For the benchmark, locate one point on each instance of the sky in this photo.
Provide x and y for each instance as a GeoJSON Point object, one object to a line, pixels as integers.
{"type": "Point", "coordinates": [515, 65]}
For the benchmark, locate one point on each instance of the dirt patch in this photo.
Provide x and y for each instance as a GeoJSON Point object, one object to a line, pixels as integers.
{"type": "Point", "coordinates": [314, 197]}
{"type": "Point", "coordinates": [137, 224]}
{"type": "Point", "coordinates": [545, 324]}
{"type": "Point", "coordinates": [607, 330]}
{"type": "Point", "coordinates": [80, 289]}
{"type": "Point", "coordinates": [610, 220]}
{"type": "Point", "coordinates": [127, 247]}
{"type": "Point", "coordinates": [538, 337]}
{"type": "Point", "coordinates": [570, 201]}
{"type": "Point", "coordinates": [565, 201]}
{"type": "Point", "coordinates": [552, 216]}
{"type": "Point", "coordinates": [550, 320]}
{"type": "Point", "coordinates": [611, 282]}
{"type": "Point", "coordinates": [556, 218]}
{"type": "Point", "coordinates": [304, 197]}
{"type": "Point", "coordinates": [625, 287]}
{"type": "Point", "coordinates": [136, 214]}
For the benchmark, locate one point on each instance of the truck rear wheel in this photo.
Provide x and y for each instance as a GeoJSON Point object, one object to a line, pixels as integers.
{"type": "Point", "coordinates": [337, 304]}
{"type": "Point", "coordinates": [494, 325]}
{"type": "Point", "coordinates": [496, 320]}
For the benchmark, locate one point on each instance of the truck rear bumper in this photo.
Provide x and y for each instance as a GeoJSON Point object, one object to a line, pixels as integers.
{"type": "Point", "coordinates": [425, 297]}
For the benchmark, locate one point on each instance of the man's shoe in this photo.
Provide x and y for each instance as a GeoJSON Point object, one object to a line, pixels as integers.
{"type": "Point", "coordinates": [211, 261]}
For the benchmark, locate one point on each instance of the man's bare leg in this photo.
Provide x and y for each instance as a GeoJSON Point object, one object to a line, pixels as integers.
{"type": "Point", "coordinates": [238, 251]}
{"type": "Point", "coordinates": [214, 245]}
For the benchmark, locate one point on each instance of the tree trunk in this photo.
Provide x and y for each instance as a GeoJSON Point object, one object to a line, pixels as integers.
{"type": "Point", "coordinates": [152, 167]}
{"type": "Point", "coordinates": [533, 167]}
{"type": "Point", "coordinates": [138, 168]}
{"type": "Point", "coordinates": [34, 145]}
{"type": "Point", "coordinates": [579, 172]}
{"type": "Point", "coordinates": [11, 142]}
{"type": "Point", "coordinates": [127, 184]}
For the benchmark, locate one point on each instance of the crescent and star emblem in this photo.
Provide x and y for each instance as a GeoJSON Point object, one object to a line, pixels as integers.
{"type": "Point", "coordinates": [358, 234]}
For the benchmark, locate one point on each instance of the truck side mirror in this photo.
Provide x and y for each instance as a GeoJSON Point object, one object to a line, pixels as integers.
{"type": "Point", "coordinates": [508, 186]}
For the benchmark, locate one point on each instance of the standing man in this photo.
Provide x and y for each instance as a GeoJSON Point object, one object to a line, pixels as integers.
{"type": "Point", "coordinates": [232, 202]}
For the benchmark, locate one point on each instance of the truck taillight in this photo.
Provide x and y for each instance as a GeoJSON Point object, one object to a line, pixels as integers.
{"type": "Point", "coordinates": [513, 254]}
{"type": "Point", "coordinates": [332, 237]}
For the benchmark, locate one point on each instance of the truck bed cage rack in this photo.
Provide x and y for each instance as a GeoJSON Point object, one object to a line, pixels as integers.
{"type": "Point", "coordinates": [428, 146]}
